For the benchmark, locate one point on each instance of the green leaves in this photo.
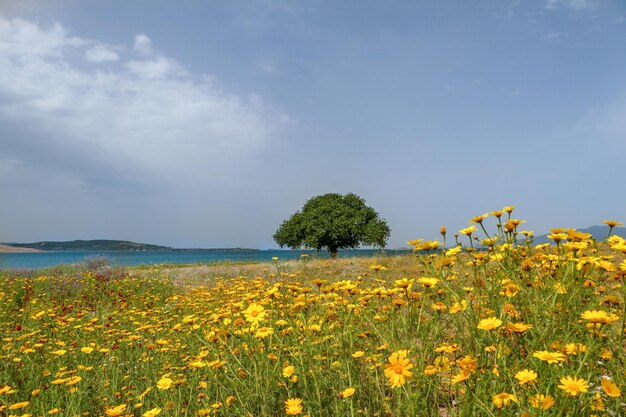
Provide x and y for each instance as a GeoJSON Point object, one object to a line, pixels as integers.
{"type": "Point", "coordinates": [332, 222]}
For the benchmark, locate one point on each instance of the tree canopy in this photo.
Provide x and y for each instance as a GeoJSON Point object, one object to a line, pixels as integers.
{"type": "Point", "coordinates": [332, 222]}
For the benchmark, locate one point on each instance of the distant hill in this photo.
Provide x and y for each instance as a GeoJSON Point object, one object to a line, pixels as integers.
{"type": "Point", "coordinates": [598, 232]}
{"type": "Point", "coordinates": [90, 245]}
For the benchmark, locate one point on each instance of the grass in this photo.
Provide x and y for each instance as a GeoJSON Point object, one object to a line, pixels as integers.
{"type": "Point", "coordinates": [457, 332]}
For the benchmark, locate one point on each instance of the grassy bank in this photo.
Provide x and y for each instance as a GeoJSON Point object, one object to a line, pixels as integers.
{"type": "Point", "coordinates": [514, 330]}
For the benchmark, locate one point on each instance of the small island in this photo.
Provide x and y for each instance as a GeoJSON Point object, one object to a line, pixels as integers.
{"type": "Point", "coordinates": [88, 245]}
{"type": "Point", "coordinates": [102, 245]}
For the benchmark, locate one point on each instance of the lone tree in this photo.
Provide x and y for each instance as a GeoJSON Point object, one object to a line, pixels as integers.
{"type": "Point", "coordinates": [332, 222]}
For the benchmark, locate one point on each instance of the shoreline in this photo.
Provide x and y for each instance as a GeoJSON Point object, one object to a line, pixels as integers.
{"type": "Point", "coordinates": [14, 249]}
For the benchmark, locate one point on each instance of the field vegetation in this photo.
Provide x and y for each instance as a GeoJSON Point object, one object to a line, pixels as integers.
{"type": "Point", "coordinates": [481, 323]}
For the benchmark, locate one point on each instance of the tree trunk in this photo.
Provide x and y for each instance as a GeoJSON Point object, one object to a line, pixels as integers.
{"type": "Point", "coordinates": [333, 253]}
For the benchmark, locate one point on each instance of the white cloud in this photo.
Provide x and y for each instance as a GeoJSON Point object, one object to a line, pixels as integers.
{"type": "Point", "coordinates": [146, 121]}
{"type": "Point", "coordinates": [101, 53]}
{"type": "Point", "coordinates": [554, 36]}
{"type": "Point", "coordinates": [573, 4]}
{"type": "Point", "coordinates": [159, 67]}
{"type": "Point", "coordinates": [28, 41]}
{"type": "Point", "coordinates": [143, 44]}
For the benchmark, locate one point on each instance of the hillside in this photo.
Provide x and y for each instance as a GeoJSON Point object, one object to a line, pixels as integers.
{"type": "Point", "coordinates": [90, 245]}
{"type": "Point", "coordinates": [599, 233]}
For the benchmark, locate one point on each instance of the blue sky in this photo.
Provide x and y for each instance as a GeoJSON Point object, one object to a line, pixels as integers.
{"type": "Point", "coordinates": [205, 124]}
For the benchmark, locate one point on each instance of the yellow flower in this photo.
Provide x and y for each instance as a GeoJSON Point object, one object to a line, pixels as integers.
{"type": "Point", "coordinates": [197, 364]}
{"type": "Point", "coordinates": [502, 399]}
{"type": "Point", "coordinates": [347, 393]}
{"type": "Point", "coordinates": [430, 370]}
{"type": "Point", "coordinates": [378, 267]}
{"type": "Point", "coordinates": [397, 371]}
{"type": "Point", "coordinates": [574, 348]}
{"type": "Point", "coordinates": [460, 377]}
{"type": "Point", "coordinates": [152, 413]}
{"type": "Point", "coordinates": [428, 282]}
{"type": "Point", "coordinates": [599, 316]}
{"type": "Point", "coordinates": [458, 306]}
{"type": "Point", "coordinates": [427, 246]}
{"type": "Point", "coordinates": [550, 357]}
{"type": "Point", "coordinates": [116, 411]}
{"type": "Point", "coordinates": [439, 306]}
{"type": "Point", "coordinates": [519, 327]}
{"type": "Point", "coordinates": [447, 348]}
{"type": "Point", "coordinates": [479, 219]}
{"type": "Point", "coordinates": [597, 403]}
{"type": "Point", "coordinates": [541, 401]}
{"type": "Point", "coordinates": [255, 313]}
{"type": "Point", "coordinates": [164, 383]}
{"type": "Point", "coordinates": [358, 354]}
{"type": "Point", "coordinates": [59, 352]}
{"type": "Point", "coordinates": [54, 411]}
{"type": "Point", "coordinates": [489, 242]}
{"type": "Point", "coordinates": [293, 406]}
{"type": "Point", "coordinates": [86, 349]}
{"type": "Point", "coordinates": [467, 363]}
{"type": "Point", "coordinates": [73, 380]}
{"type": "Point", "coordinates": [468, 231]}
{"type": "Point", "coordinates": [573, 386]}
{"type": "Point", "coordinates": [263, 332]}
{"type": "Point", "coordinates": [489, 323]}
{"type": "Point", "coordinates": [453, 251]}
{"type": "Point", "coordinates": [18, 406]}
{"type": "Point", "coordinates": [404, 283]}
{"type": "Point", "coordinates": [526, 376]}
{"type": "Point", "coordinates": [610, 388]}
{"type": "Point", "coordinates": [442, 363]}
{"type": "Point", "coordinates": [612, 223]}
{"type": "Point", "coordinates": [557, 237]}
{"type": "Point", "coordinates": [288, 370]}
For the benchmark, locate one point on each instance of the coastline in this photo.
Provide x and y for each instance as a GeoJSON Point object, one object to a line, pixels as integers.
{"type": "Point", "coordinates": [44, 259]}
{"type": "Point", "coordinates": [13, 249]}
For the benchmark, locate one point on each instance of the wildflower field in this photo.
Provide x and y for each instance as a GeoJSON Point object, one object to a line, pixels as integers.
{"type": "Point", "coordinates": [483, 323]}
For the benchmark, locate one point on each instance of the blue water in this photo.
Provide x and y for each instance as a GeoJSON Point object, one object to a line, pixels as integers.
{"type": "Point", "coordinates": [32, 260]}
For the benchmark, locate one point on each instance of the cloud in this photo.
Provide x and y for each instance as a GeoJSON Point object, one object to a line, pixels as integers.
{"type": "Point", "coordinates": [101, 53]}
{"type": "Point", "coordinates": [139, 121]}
{"type": "Point", "coordinates": [26, 40]}
{"type": "Point", "coordinates": [554, 36]}
{"type": "Point", "coordinates": [572, 4]}
{"type": "Point", "coordinates": [143, 44]}
{"type": "Point", "coordinates": [159, 67]}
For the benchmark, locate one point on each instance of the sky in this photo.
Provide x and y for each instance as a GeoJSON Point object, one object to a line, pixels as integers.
{"type": "Point", "coordinates": [208, 123]}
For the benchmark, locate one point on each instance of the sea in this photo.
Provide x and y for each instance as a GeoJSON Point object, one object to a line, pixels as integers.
{"type": "Point", "coordinates": [36, 260]}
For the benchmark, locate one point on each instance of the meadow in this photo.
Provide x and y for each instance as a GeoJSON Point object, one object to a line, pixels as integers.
{"type": "Point", "coordinates": [480, 323]}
